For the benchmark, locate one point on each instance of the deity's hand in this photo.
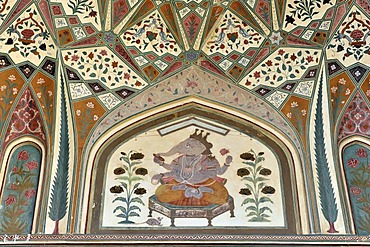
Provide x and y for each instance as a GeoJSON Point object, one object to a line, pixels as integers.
{"type": "Point", "coordinates": [158, 159]}
{"type": "Point", "coordinates": [228, 160]}
{"type": "Point", "coordinates": [156, 178]}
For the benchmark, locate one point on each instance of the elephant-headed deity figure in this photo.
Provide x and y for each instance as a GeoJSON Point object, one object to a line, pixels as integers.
{"type": "Point", "coordinates": [192, 178]}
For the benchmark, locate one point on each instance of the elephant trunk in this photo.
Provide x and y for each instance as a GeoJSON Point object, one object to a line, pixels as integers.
{"type": "Point", "coordinates": [172, 151]}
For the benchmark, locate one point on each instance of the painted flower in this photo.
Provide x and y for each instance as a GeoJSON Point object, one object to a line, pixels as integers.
{"type": "Point", "coordinates": [247, 156]}
{"type": "Point", "coordinates": [294, 104]}
{"type": "Point", "coordinates": [140, 191]}
{"type": "Point", "coordinates": [31, 165]}
{"type": "Point", "coordinates": [15, 169]}
{"type": "Point", "coordinates": [361, 153]}
{"type": "Point", "coordinates": [66, 57]}
{"type": "Point", "coordinates": [50, 93]}
{"type": "Point", "coordinates": [356, 191]}
{"type": "Point", "coordinates": [103, 52]}
{"type": "Point", "coordinates": [281, 52]}
{"type": "Point", "coordinates": [23, 155]}
{"type": "Point", "coordinates": [15, 90]}
{"type": "Point", "coordinates": [257, 74]}
{"type": "Point", "coordinates": [333, 89]}
{"type": "Point", "coordinates": [75, 57]}
{"type": "Point", "coordinates": [91, 55]}
{"type": "Point", "coordinates": [3, 87]}
{"type": "Point", "coordinates": [191, 84]}
{"type": "Point", "coordinates": [368, 92]}
{"type": "Point", "coordinates": [116, 189]}
{"type": "Point", "coordinates": [353, 162]}
{"type": "Point", "coordinates": [12, 78]}
{"type": "Point", "coordinates": [357, 34]}
{"type": "Point", "coordinates": [269, 63]}
{"type": "Point", "coordinates": [96, 117]}
{"type": "Point", "coordinates": [224, 151]}
{"type": "Point", "coordinates": [348, 91]}
{"type": "Point", "coordinates": [126, 76]}
{"type": "Point", "coordinates": [78, 112]}
{"type": "Point", "coordinates": [90, 104]}
{"type": "Point", "coordinates": [342, 81]}
{"type": "Point", "coordinates": [242, 172]}
{"type": "Point", "coordinates": [119, 171]}
{"type": "Point", "coordinates": [304, 112]}
{"type": "Point", "coordinates": [29, 193]}
{"type": "Point", "coordinates": [40, 81]}
{"type": "Point", "coordinates": [293, 57]}
{"type": "Point", "coordinates": [13, 186]}
{"type": "Point", "coordinates": [136, 156]}
{"type": "Point", "coordinates": [93, 13]}
{"type": "Point", "coordinates": [141, 171]}
{"type": "Point", "coordinates": [289, 115]}
{"type": "Point", "coordinates": [268, 190]}
{"type": "Point", "coordinates": [245, 191]}
{"type": "Point", "coordinates": [39, 95]}
{"type": "Point", "coordinates": [114, 64]}
{"type": "Point", "coordinates": [10, 200]}
{"type": "Point", "coordinates": [265, 172]}
{"type": "Point", "coordinates": [309, 59]}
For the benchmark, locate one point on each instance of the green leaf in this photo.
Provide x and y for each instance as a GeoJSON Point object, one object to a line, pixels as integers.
{"type": "Point", "coordinates": [133, 214]}
{"type": "Point", "coordinates": [253, 208]}
{"type": "Point", "coordinates": [121, 208]}
{"type": "Point", "coordinates": [265, 199]}
{"type": "Point", "coordinates": [133, 207]}
{"type": "Point", "coordinates": [248, 200]}
{"type": "Point", "coordinates": [137, 200]}
{"type": "Point", "coordinates": [92, 75]}
{"type": "Point", "coordinates": [120, 198]}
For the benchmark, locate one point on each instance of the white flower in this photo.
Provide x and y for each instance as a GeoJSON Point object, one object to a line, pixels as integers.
{"type": "Point", "coordinates": [38, 95]}
{"type": "Point", "coordinates": [368, 92]}
{"type": "Point", "coordinates": [342, 81]}
{"type": "Point", "coordinates": [294, 104]}
{"type": "Point", "coordinates": [348, 91]}
{"type": "Point", "coordinates": [304, 112]}
{"type": "Point", "coordinates": [333, 89]}
{"type": "Point", "coordinates": [40, 81]}
{"type": "Point", "coordinates": [289, 115]}
{"type": "Point", "coordinates": [96, 117]}
{"type": "Point", "coordinates": [15, 90]}
{"type": "Point", "coordinates": [78, 112]}
{"type": "Point", "coordinates": [3, 87]}
{"type": "Point", "coordinates": [90, 104]}
{"type": "Point", "coordinates": [12, 78]}
{"type": "Point", "coordinates": [50, 93]}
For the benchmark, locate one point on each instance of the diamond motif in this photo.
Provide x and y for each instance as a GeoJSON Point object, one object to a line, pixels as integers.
{"type": "Point", "coordinates": [333, 67]}
{"type": "Point", "coordinates": [4, 62]}
{"type": "Point", "coordinates": [72, 76]}
{"type": "Point", "coordinates": [96, 87]}
{"type": "Point", "coordinates": [277, 98]}
{"type": "Point", "coordinates": [288, 87]}
{"type": "Point", "coordinates": [124, 93]}
{"type": "Point", "coordinates": [49, 67]}
{"type": "Point", "coordinates": [79, 90]}
{"type": "Point", "coordinates": [358, 72]}
{"type": "Point", "coordinates": [304, 88]}
{"type": "Point", "coordinates": [311, 73]}
{"type": "Point", "coordinates": [263, 91]}
{"type": "Point", "coordinates": [27, 70]}
{"type": "Point", "coordinates": [109, 100]}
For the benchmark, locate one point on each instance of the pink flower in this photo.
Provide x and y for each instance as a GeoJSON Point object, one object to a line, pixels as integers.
{"type": "Point", "coordinates": [192, 84]}
{"type": "Point", "coordinates": [15, 169]}
{"type": "Point", "coordinates": [13, 186]}
{"type": "Point", "coordinates": [224, 151]}
{"type": "Point", "coordinates": [31, 165]}
{"type": "Point", "coordinates": [23, 155]}
{"type": "Point", "coordinates": [126, 76]}
{"type": "Point", "coordinates": [29, 193]}
{"type": "Point", "coordinates": [103, 52]}
{"type": "Point", "coordinates": [361, 153]}
{"type": "Point", "coordinates": [356, 191]}
{"type": "Point", "coordinates": [353, 162]}
{"type": "Point", "coordinates": [10, 200]}
{"type": "Point", "coordinates": [75, 58]}
{"type": "Point", "coordinates": [281, 52]}
{"type": "Point", "coordinates": [257, 74]}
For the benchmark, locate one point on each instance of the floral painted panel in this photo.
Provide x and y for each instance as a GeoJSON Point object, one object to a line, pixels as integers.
{"type": "Point", "coordinates": [19, 192]}
{"type": "Point", "coordinates": [357, 169]}
{"type": "Point", "coordinates": [181, 177]}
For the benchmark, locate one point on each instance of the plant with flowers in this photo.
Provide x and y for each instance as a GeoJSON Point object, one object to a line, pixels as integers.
{"type": "Point", "coordinates": [357, 168]}
{"type": "Point", "coordinates": [19, 193]}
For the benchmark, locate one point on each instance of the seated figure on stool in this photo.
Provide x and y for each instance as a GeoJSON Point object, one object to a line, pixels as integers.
{"type": "Point", "coordinates": [192, 179]}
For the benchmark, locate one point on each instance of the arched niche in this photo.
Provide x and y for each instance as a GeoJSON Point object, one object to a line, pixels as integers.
{"type": "Point", "coordinates": [20, 187]}
{"type": "Point", "coordinates": [355, 157]}
{"type": "Point", "coordinates": [273, 147]}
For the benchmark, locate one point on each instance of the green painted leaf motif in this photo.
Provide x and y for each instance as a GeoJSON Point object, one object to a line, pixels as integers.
{"type": "Point", "coordinates": [131, 208]}
{"type": "Point", "coordinates": [138, 200]}
{"type": "Point", "coordinates": [133, 214]}
{"type": "Point", "coordinates": [121, 208]}
{"type": "Point", "coordinates": [120, 198]}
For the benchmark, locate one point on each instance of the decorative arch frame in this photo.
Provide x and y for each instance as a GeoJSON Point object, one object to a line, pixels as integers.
{"type": "Point", "coordinates": [297, 224]}
{"type": "Point", "coordinates": [345, 143]}
{"type": "Point", "coordinates": [10, 148]}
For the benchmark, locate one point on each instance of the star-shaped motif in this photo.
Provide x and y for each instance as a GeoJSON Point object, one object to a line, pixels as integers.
{"type": "Point", "coordinates": [275, 38]}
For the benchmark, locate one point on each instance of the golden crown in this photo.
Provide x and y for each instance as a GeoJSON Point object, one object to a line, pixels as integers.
{"type": "Point", "coordinates": [203, 139]}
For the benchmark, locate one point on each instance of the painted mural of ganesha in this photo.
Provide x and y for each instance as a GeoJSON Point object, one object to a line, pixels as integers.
{"type": "Point", "coordinates": [192, 178]}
